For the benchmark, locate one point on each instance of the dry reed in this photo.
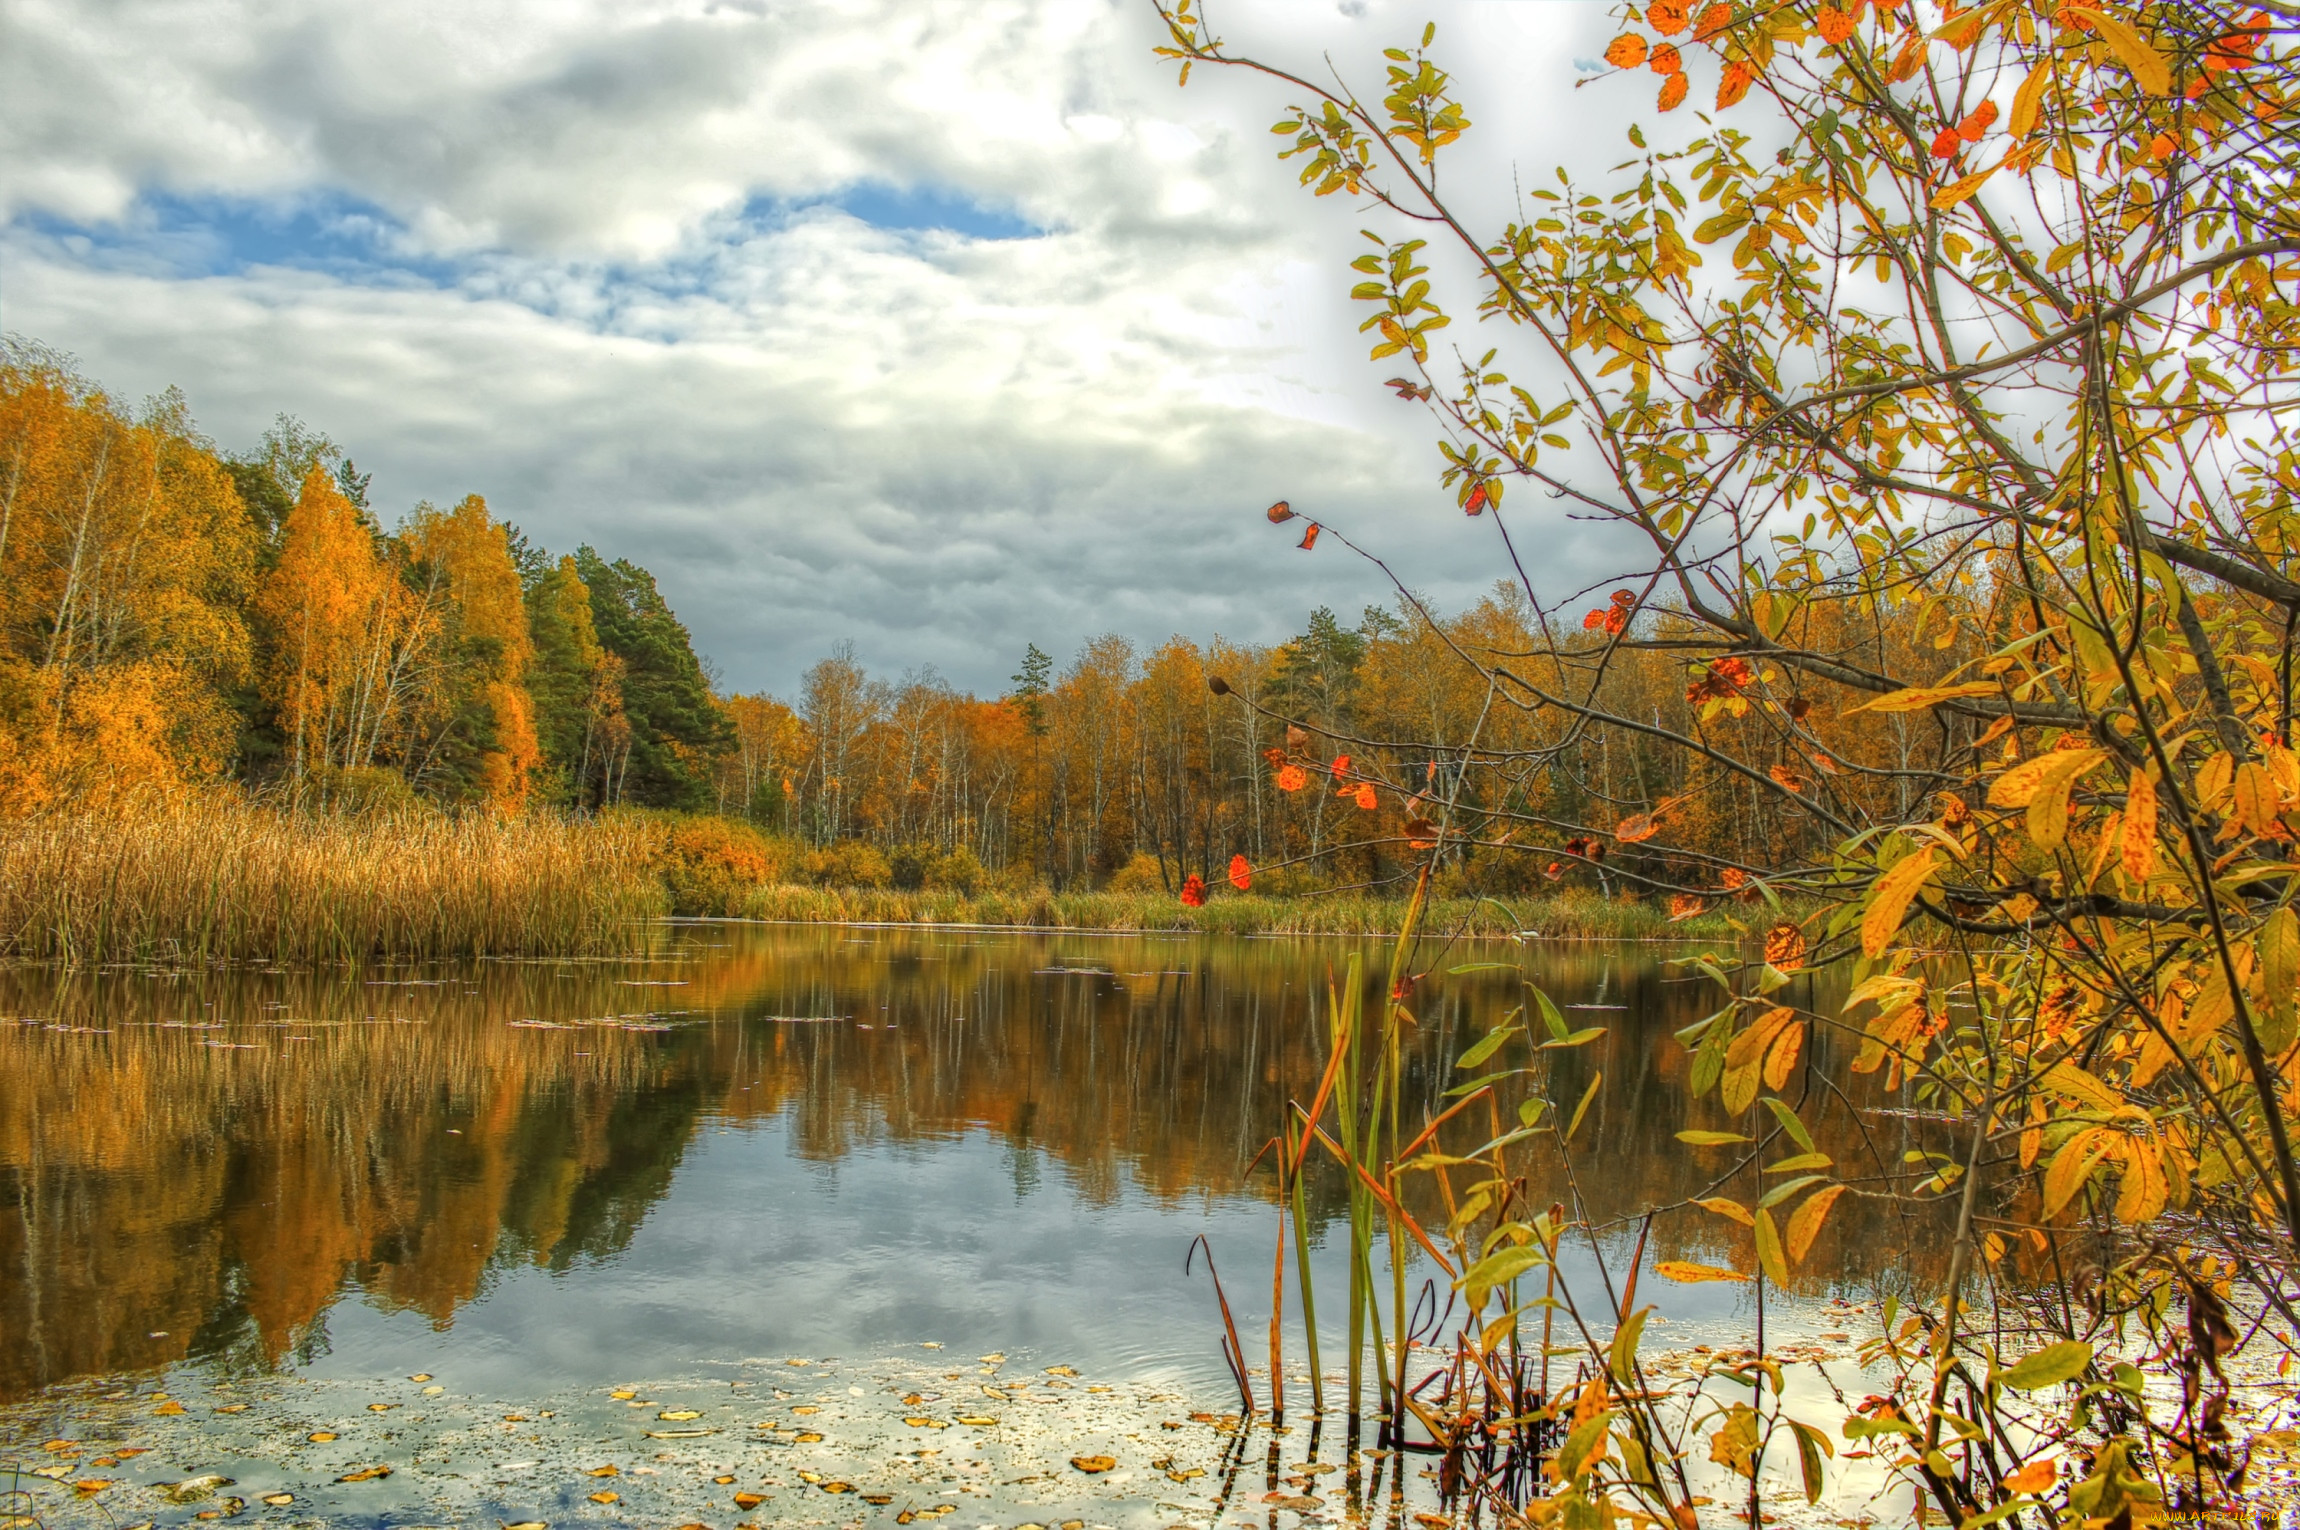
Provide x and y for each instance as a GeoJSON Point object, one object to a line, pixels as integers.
{"type": "Point", "coordinates": [1571, 916]}
{"type": "Point", "coordinates": [219, 878]}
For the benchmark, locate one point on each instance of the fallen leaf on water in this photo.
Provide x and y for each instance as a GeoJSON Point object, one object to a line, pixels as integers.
{"type": "Point", "coordinates": [52, 1473]}
{"type": "Point", "coordinates": [810, 1478]}
{"type": "Point", "coordinates": [433, 1391]}
{"type": "Point", "coordinates": [53, 1447]}
{"type": "Point", "coordinates": [420, 1376]}
{"type": "Point", "coordinates": [93, 1484]}
{"type": "Point", "coordinates": [679, 1434]}
{"type": "Point", "coordinates": [380, 1407]}
{"type": "Point", "coordinates": [604, 1496]}
{"type": "Point", "coordinates": [1185, 1473]}
{"type": "Point", "coordinates": [191, 1489]}
{"type": "Point", "coordinates": [747, 1501]}
{"type": "Point", "coordinates": [722, 1481]}
{"type": "Point", "coordinates": [609, 1470]}
{"type": "Point", "coordinates": [528, 1524]}
{"type": "Point", "coordinates": [279, 1500]}
{"type": "Point", "coordinates": [926, 1423]}
{"type": "Point", "coordinates": [168, 1409]}
{"type": "Point", "coordinates": [1093, 1464]}
{"type": "Point", "coordinates": [807, 1437]}
{"type": "Point", "coordinates": [878, 1498]}
{"type": "Point", "coordinates": [1300, 1503]}
{"type": "Point", "coordinates": [1097, 1389]}
{"type": "Point", "coordinates": [321, 1438]}
{"type": "Point", "coordinates": [906, 1516]}
{"type": "Point", "coordinates": [977, 1420]}
{"type": "Point", "coordinates": [366, 1474]}
{"type": "Point", "coordinates": [1060, 1370]}
{"type": "Point", "coordinates": [999, 1359]}
{"type": "Point", "coordinates": [125, 1451]}
{"type": "Point", "coordinates": [231, 1407]}
{"type": "Point", "coordinates": [679, 1415]}
{"type": "Point", "coordinates": [806, 1408]}
{"type": "Point", "coordinates": [515, 1418]}
{"type": "Point", "coordinates": [626, 1396]}
{"type": "Point", "coordinates": [1433, 1521]}
{"type": "Point", "coordinates": [838, 1487]}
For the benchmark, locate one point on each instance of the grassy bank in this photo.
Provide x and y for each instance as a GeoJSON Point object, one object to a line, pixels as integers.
{"type": "Point", "coordinates": [211, 878]}
{"type": "Point", "coordinates": [217, 878]}
{"type": "Point", "coordinates": [1571, 915]}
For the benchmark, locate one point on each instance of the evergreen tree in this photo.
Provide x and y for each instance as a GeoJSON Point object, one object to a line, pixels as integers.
{"type": "Point", "coordinates": [675, 726]}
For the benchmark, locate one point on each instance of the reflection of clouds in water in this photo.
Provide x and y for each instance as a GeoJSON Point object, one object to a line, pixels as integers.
{"type": "Point", "coordinates": [523, 1173]}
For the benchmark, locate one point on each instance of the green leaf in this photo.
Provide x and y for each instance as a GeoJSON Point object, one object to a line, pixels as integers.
{"type": "Point", "coordinates": [1500, 1268]}
{"type": "Point", "coordinates": [1801, 1161]}
{"type": "Point", "coordinates": [1486, 1046]}
{"type": "Point", "coordinates": [1710, 1139]}
{"type": "Point", "coordinates": [1789, 1123]}
{"type": "Point", "coordinates": [1579, 1038]}
{"type": "Point", "coordinates": [1583, 1108]}
{"type": "Point", "coordinates": [2048, 1367]}
{"type": "Point", "coordinates": [1811, 1446]}
{"type": "Point", "coordinates": [1624, 1356]}
{"type": "Point", "coordinates": [1770, 1258]}
{"type": "Point", "coordinates": [1550, 1016]}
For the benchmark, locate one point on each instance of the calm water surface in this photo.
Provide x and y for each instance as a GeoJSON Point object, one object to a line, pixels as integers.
{"type": "Point", "coordinates": [756, 1145]}
{"type": "Point", "coordinates": [763, 1139]}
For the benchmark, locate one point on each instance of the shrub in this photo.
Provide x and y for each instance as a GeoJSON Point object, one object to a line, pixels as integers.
{"type": "Point", "coordinates": [710, 864]}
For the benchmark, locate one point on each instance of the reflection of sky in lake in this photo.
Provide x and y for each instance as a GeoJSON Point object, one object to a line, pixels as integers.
{"type": "Point", "coordinates": [542, 1176]}
{"type": "Point", "coordinates": [964, 1241]}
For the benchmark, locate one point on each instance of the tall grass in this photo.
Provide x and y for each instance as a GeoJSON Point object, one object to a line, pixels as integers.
{"type": "Point", "coordinates": [219, 878]}
{"type": "Point", "coordinates": [1572, 915]}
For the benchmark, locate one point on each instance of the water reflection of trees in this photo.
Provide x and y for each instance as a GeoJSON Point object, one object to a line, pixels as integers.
{"type": "Point", "coordinates": [205, 1162]}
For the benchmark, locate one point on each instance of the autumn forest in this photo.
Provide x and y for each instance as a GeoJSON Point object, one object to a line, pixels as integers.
{"type": "Point", "coordinates": [176, 617]}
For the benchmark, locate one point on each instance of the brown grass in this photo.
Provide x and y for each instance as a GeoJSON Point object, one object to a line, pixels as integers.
{"type": "Point", "coordinates": [1571, 915]}
{"type": "Point", "coordinates": [218, 878]}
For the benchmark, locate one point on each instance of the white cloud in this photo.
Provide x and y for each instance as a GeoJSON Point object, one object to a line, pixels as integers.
{"type": "Point", "coordinates": [555, 255]}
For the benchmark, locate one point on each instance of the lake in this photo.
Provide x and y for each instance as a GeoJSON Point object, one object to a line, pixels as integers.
{"type": "Point", "coordinates": [754, 1170]}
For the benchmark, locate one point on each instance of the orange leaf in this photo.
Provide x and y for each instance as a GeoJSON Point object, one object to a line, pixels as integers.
{"type": "Point", "coordinates": [1785, 947]}
{"type": "Point", "coordinates": [2139, 833]}
{"type": "Point", "coordinates": [1241, 874]}
{"type": "Point", "coordinates": [1735, 84]}
{"type": "Point", "coordinates": [1293, 778]}
{"type": "Point", "coordinates": [1835, 26]}
{"type": "Point", "coordinates": [2036, 1477]}
{"type": "Point", "coordinates": [1673, 91]}
{"type": "Point", "coordinates": [1686, 905]}
{"type": "Point", "coordinates": [1309, 537]}
{"type": "Point", "coordinates": [1805, 1224]}
{"type": "Point", "coordinates": [1666, 17]}
{"type": "Point", "coordinates": [1976, 123]}
{"type": "Point", "coordinates": [1280, 513]}
{"type": "Point", "coordinates": [1341, 766]}
{"type": "Point", "coordinates": [1713, 20]}
{"type": "Point", "coordinates": [1626, 51]}
{"type": "Point", "coordinates": [1366, 797]}
{"type": "Point", "coordinates": [1636, 829]}
{"type": "Point", "coordinates": [1666, 60]}
{"type": "Point", "coordinates": [1687, 1273]}
{"type": "Point", "coordinates": [1787, 779]}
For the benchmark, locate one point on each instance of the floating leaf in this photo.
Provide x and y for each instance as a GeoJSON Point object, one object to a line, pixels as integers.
{"type": "Point", "coordinates": [748, 1501]}
{"type": "Point", "coordinates": [679, 1415]}
{"type": "Point", "coordinates": [1093, 1465]}
{"type": "Point", "coordinates": [1686, 1273]}
{"type": "Point", "coordinates": [605, 1495]}
{"type": "Point", "coordinates": [366, 1474]}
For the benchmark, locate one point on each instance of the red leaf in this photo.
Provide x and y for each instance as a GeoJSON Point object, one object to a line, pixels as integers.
{"type": "Point", "coordinates": [1475, 504]}
{"type": "Point", "coordinates": [1241, 874]}
{"type": "Point", "coordinates": [1194, 891]}
{"type": "Point", "coordinates": [1309, 537]}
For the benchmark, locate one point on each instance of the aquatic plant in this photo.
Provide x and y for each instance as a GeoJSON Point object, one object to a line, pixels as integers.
{"type": "Point", "coordinates": [217, 877]}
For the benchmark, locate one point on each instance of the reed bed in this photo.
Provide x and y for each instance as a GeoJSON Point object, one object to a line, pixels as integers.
{"type": "Point", "coordinates": [219, 878]}
{"type": "Point", "coordinates": [1572, 916]}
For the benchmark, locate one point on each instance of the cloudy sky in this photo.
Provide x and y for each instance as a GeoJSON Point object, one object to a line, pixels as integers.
{"type": "Point", "coordinates": [941, 327]}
